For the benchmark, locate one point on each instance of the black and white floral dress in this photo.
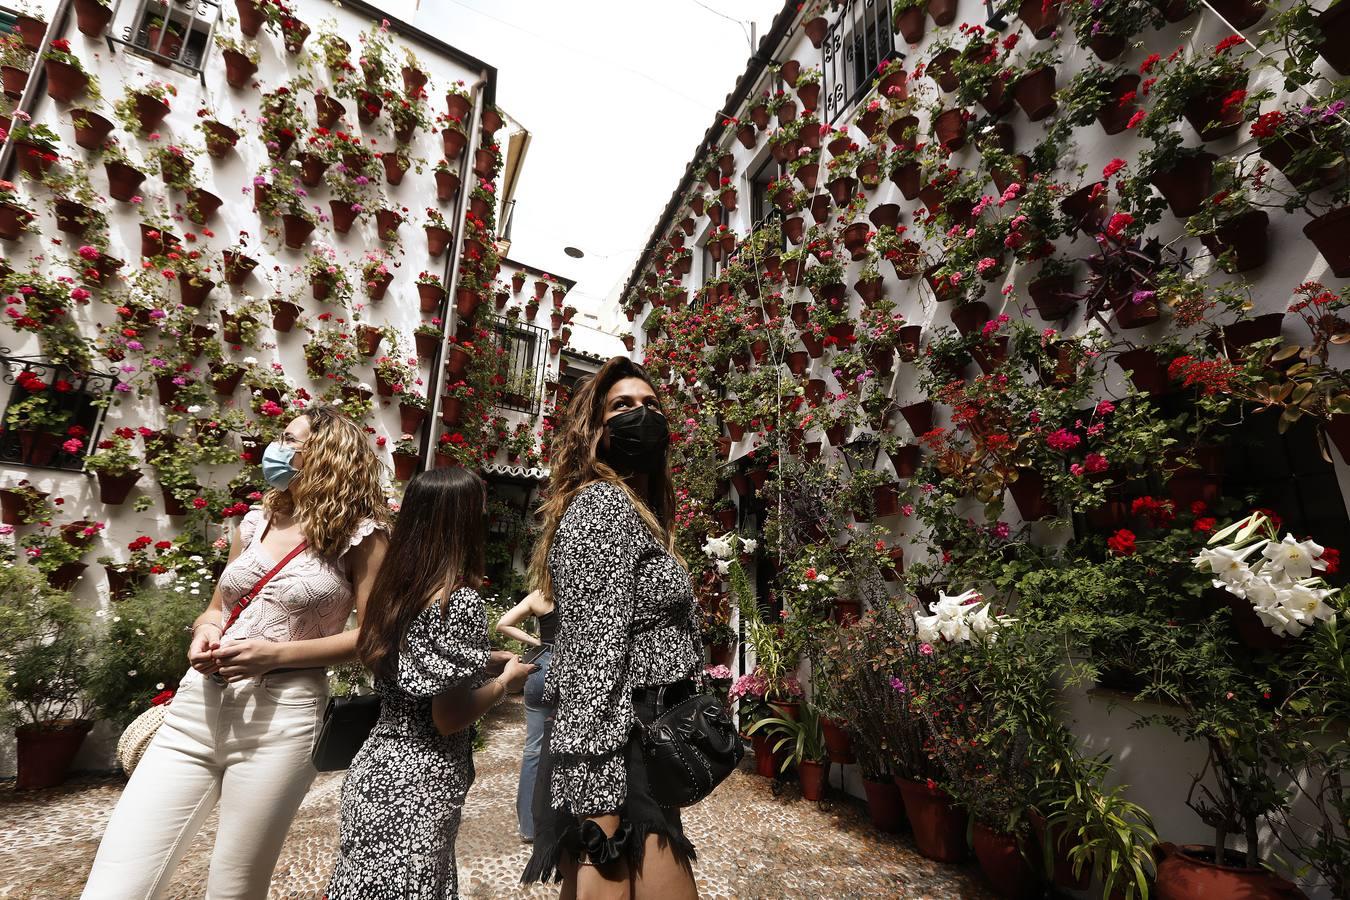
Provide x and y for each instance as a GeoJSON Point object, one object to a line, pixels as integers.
{"type": "Point", "coordinates": [404, 793]}
{"type": "Point", "coordinates": [626, 622]}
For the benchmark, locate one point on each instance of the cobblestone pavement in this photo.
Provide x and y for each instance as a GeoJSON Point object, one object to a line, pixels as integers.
{"type": "Point", "coordinates": [750, 843]}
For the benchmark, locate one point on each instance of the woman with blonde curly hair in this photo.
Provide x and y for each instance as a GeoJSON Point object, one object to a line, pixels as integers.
{"type": "Point", "coordinates": [628, 642]}
{"type": "Point", "coordinates": [242, 725]}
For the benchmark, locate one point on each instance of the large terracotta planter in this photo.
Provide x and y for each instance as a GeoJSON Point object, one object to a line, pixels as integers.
{"type": "Point", "coordinates": [885, 808]}
{"type": "Point", "coordinates": [939, 825]}
{"type": "Point", "coordinates": [1331, 234]}
{"type": "Point", "coordinates": [1188, 872]}
{"type": "Point", "coordinates": [766, 761]}
{"type": "Point", "coordinates": [1003, 863]}
{"type": "Point", "coordinates": [45, 752]}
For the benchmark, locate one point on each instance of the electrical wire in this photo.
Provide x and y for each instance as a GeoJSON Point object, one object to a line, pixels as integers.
{"type": "Point", "coordinates": [740, 22]}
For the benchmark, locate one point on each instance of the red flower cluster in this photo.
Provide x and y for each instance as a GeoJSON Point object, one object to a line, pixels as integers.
{"type": "Point", "coordinates": [1160, 513]}
{"type": "Point", "coordinates": [1121, 543]}
{"type": "Point", "coordinates": [31, 382]}
{"type": "Point", "coordinates": [1211, 376]}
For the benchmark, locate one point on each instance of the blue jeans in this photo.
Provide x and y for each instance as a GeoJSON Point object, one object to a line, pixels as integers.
{"type": "Point", "coordinates": [536, 718]}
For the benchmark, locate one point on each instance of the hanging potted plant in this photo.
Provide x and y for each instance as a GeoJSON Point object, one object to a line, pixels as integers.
{"type": "Point", "coordinates": [1108, 28]}
{"type": "Point", "coordinates": [66, 78]}
{"type": "Point", "coordinates": [44, 638]}
{"type": "Point", "coordinates": [1230, 225]}
{"type": "Point", "coordinates": [142, 109]}
{"type": "Point", "coordinates": [241, 60]}
{"type": "Point", "coordinates": [92, 17]}
{"type": "Point", "coordinates": [14, 214]}
{"type": "Point", "coordinates": [438, 234]}
{"type": "Point", "coordinates": [220, 138]}
{"type": "Point", "coordinates": [36, 147]}
{"type": "Point", "coordinates": [431, 291]}
{"type": "Point", "coordinates": [116, 465]}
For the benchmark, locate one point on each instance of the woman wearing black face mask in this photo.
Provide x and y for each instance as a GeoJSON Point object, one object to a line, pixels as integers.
{"type": "Point", "coordinates": [627, 626]}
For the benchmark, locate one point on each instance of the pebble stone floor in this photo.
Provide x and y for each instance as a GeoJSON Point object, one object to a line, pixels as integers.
{"type": "Point", "coordinates": [750, 843]}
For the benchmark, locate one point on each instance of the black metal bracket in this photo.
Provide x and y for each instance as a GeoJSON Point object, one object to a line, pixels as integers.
{"type": "Point", "coordinates": [995, 19]}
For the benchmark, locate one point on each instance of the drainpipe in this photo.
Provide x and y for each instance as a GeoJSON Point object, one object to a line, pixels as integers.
{"type": "Point", "coordinates": [56, 23]}
{"type": "Point", "coordinates": [451, 276]}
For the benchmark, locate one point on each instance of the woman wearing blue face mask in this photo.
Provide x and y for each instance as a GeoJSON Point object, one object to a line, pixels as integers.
{"type": "Point", "coordinates": [241, 728]}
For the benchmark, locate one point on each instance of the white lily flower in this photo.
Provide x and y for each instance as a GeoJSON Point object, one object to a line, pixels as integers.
{"type": "Point", "coordinates": [749, 544]}
{"type": "Point", "coordinates": [717, 548]}
{"type": "Point", "coordinates": [1293, 557]}
{"type": "Point", "coordinates": [1228, 565]}
{"type": "Point", "coordinates": [723, 567]}
{"type": "Point", "coordinates": [926, 628]}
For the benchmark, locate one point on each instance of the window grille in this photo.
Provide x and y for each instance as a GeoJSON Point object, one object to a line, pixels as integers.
{"type": "Point", "coordinates": [186, 41]}
{"type": "Point", "coordinates": [520, 364]}
{"type": "Point", "coordinates": [71, 400]}
{"type": "Point", "coordinates": [859, 41]}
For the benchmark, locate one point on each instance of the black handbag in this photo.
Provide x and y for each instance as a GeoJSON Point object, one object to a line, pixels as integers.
{"type": "Point", "coordinates": [347, 722]}
{"type": "Point", "coordinates": [689, 748]}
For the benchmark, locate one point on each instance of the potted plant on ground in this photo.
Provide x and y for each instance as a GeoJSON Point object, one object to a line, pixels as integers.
{"type": "Point", "coordinates": [45, 641]}
{"type": "Point", "coordinates": [799, 743]}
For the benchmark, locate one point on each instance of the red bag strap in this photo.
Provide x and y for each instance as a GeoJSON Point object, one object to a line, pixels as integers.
{"type": "Point", "coordinates": [242, 603]}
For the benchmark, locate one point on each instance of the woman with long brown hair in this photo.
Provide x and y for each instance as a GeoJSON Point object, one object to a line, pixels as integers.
{"type": "Point", "coordinates": [425, 638]}
{"type": "Point", "coordinates": [627, 627]}
{"type": "Point", "coordinates": [242, 725]}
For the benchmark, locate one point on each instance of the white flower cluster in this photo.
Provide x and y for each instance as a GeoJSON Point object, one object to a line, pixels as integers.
{"type": "Point", "coordinates": [958, 619]}
{"type": "Point", "coordinates": [1280, 584]}
{"type": "Point", "coordinates": [724, 549]}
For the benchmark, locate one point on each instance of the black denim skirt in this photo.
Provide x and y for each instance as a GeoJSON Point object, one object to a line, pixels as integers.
{"type": "Point", "coordinates": [558, 831]}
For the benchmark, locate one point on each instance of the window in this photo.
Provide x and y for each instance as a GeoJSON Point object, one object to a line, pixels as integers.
{"type": "Point", "coordinates": [520, 365]}
{"type": "Point", "coordinates": [178, 34]}
{"type": "Point", "coordinates": [48, 405]}
{"type": "Point", "coordinates": [858, 41]}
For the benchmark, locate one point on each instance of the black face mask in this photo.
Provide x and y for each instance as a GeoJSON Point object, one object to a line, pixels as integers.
{"type": "Point", "coordinates": [638, 440]}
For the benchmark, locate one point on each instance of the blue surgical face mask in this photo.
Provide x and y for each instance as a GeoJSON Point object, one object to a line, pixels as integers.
{"type": "Point", "coordinates": [276, 465]}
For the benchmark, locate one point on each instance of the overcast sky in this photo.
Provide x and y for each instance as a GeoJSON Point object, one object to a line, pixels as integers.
{"type": "Point", "coordinates": [616, 93]}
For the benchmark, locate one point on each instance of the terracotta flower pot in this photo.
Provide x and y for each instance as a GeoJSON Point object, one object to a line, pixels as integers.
{"type": "Point", "coordinates": [1187, 185]}
{"type": "Point", "coordinates": [1114, 117]}
{"type": "Point", "coordinates": [1003, 863]}
{"type": "Point", "coordinates": [970, 317]}
{"type": "Point", "coordinates": [425, 345]}
{"type": "Point", "coordinates": [328, 110]}
{"type": "Point", "coordinates": [942, 12]}
{"type": "Point", "coordinates": [123, 180]}
{"type": "Point", "coordinates": [811, 775]}
{"type": "Point", "coordinates": [239, 69]}
{"type": "Point", "coordinates": [457, 106]}
{"type": "Point", "coordinates": [1107, 46]}
{"type": "Point", "coordinates": [1035, 93]}
{"type": "Point", "coordinates": [1244, 237]}
{"type": "Point", "coordinates": [14, 221]}
{"type": "Point", "coordinates": [387, 222]}
{"type": "Point", "coordinates": [1086, 207]}
{"type": "Point", "coordinates": [1241, 13]}
{"type": "Point", "coordinates": [296, 230]}
{"type": "Point", "coordinates": [1209, 116]}
{"type": "Point", "coordinates": [939, 825]}
{"type": "Point", "coordinates": [202, 205]}
{"type": "Point", "coordinates": [1130, 314]}
{"type": "Point", "coordinates": [92, 17]}
{"type": "Point", "coordinates": [1052, 296]}
{"type": "Point", "coordinates": [220, 138]}
{"type": "Point", "coordinates": [885, 809]}
{"type": "Point", "coordinates": [150, 111]}
{"type": "Point", "coordinates": [950, 128]}
{"type": "Point", "coordinates": [31, 31]}
{"type": "Point", "coordinates": [46, 751]}
{"type": "Point", "coordinates": [1188, 872]}
{"type": "Point", "coordinates": [1330, 233]}
{"type": "Point", "coordinates": [405, 466]}
{"type": "Point", "coordinates": [411, 418]}
{"type": "Point", "coordinates": [1334, 24]}
{"type": "Point", "coordinates": [1041, 17]}
{"type": "Point", "coordinates": [251, 17]}
{"type": "Point", "coordinates": [452, 410]}
{"type": "Point", "coordinates": [395, 167]}
{"type": "Point", "coordinates": [1028, 493]}
{"type": "Point", "coordinates": [438, 239]}
{"type": "Point", "coordinates": [65, 82]}
{"type": "Point", "coordinates": [238, 267]}
{"type": "Point", "coordinates": [113, 488]}
{"type": "Point", "coordinates": [919, 417]}
{"type": "Point", "coordinates": [766, 761]}
{"type": "Point", "coordinates": [911, 24]}
{"type": "Point", "coordinates": [343, 215]}
{"type": "Point", "coordinates": [91, 129]}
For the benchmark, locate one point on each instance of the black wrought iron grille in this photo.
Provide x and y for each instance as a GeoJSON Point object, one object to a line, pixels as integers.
{"type": "Point", "coordinates": [178, 34]}
{"type": "Point", "coordinates": [520, 365]}
{"type": "Point", "coordinates": [38, 433]}
{"type": "Point", "coordinates": [859, 40]}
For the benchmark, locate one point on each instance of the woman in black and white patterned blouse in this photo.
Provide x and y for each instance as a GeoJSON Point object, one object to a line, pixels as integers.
{"type": "Point", "coordinates": [627, 625]}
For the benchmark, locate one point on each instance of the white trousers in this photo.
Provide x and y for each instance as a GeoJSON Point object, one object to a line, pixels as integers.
{"type": "Point", "coordinates": [245, 746]}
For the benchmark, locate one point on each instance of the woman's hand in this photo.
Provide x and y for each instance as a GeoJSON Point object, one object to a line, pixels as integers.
{"type": "Point", "coordinates": [205, 638]}
{"type": "Point", "coordinates": [514, 674]}
{"type": "Point", "coordinates": [245, 659]}
{"type": "Point", "coordinates": [497, 660]}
